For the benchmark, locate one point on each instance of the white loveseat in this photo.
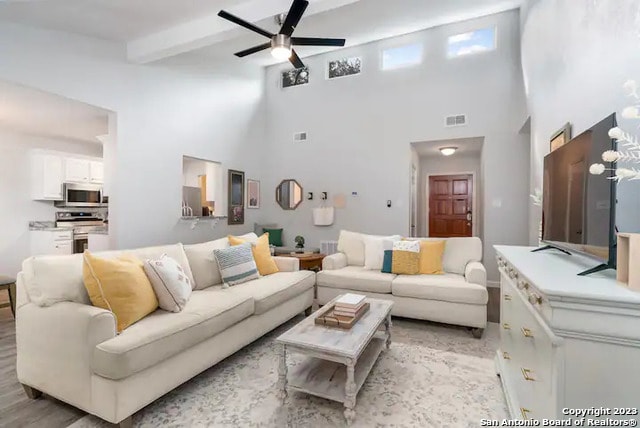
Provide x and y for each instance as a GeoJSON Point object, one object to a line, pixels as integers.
{"type": "Point", "coordinates": [459, 296]}
{"type": "Point", "coordinates": [70, 350]}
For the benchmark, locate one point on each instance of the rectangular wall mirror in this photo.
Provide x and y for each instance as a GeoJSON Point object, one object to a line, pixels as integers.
{"type": "Point", "coordinates": [203, 190]}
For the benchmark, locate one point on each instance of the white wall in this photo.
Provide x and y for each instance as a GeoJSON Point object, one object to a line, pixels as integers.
{"type": "Point", "coordinates": [431, 165]}
{"type": "Point", "coordinates": [360, 129]}
{"type": "Point", "coordinates": [16, 206]}
{"type": "Point", "coordinates": [576, 74]}
{"type": "Point", "coordinates": [162, 114]}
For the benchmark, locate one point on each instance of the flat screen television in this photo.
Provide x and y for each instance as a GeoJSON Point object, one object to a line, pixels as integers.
{"type": "Point", "coordinates": [578, 209]}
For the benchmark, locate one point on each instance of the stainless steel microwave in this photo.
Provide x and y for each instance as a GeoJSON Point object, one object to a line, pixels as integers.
{"type": "Point", "coordinates": [81, 195]}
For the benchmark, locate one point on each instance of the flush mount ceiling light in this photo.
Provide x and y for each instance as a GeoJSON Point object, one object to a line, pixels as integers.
{"type": "Point", "coordinates": [281, 43]}
{"type": "Point", "coordinates": [448, 151]}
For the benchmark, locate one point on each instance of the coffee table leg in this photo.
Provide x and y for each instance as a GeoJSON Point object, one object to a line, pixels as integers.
{"type": "Point", "coordinates": [387, 329]}
{"type": "Point", "coordinates": [350, 393]}
{"type": "Point", "coordinates": [282, 374]}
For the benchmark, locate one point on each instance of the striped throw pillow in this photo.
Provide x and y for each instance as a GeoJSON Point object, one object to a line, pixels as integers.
{"type": "Point", "coordinates": [236, 264]}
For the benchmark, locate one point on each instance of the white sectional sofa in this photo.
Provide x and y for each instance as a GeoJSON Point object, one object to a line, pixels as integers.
{"type": "Point", "coordinates": [70, 350]}
{"type": "Point", "coordinates": [459, 296]}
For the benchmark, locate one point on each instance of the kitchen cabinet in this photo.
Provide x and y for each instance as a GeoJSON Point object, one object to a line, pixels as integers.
{"type": "Point", "coordinates": [49, 170]}
{"type": "Point", "coordinates": [51, 242]}
{"type": "Point", "coordinates": [77, 170]}
{"type": "Point", "coordinates": [46, 176]}
{"type": "Point", "coordinates": [96, 172]}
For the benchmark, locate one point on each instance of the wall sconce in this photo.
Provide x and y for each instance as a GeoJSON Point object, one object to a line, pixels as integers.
{"type": "Point", "coordinates": [324, 196]}
{"type": "Point", "coordinates": [310, 196]}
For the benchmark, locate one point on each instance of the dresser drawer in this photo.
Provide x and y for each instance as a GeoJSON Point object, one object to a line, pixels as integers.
{"type": "Point", "coordinates": [527, 348]}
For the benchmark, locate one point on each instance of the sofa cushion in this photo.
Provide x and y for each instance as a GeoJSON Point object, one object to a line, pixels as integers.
{"type": "Point", "coordinates": [458, 252]}
{"type": "Point", "coordinates": [352, 245]}
{"type": "Point", "coordinates": [203, 264]}
{"type": "Point", "coordinates": [175, 251]}
{"type": "Point", "coordinates": [261, 253]}
{"type": "Point", "coordinates": [448, 288]}
{"type": "Point", "coordinates": [356, 278]}
{"type": "Point", "coordinates": [120, 286]}
{"type": "Point", "coordinates": [236, 264]}
{"type": "Point", "coordinates": [163, 334]}
{"type": "Point", "coordinates": [53, 279]}
{"type": "Point", "coordinates": [171, 285]}
{"type": "Point", "coordinates": [275, 289]}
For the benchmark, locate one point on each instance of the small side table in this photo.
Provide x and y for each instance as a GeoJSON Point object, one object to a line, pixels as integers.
{"type": "Point", "coordinates": [285, 251]}
{"type": "Point", "coordinates": [9, 284]}
{"type": "Point", "coordinates": [312, 262]}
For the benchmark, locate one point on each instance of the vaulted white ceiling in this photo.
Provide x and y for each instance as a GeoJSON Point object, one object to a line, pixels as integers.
{"type": "Point", "coordinates": [34, 112]}
{"type": "Point", "coordinates": [154, 30]}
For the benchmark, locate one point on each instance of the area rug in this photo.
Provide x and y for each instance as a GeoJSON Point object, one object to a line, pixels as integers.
{"type": "Point", "coordinates": [433, 376]}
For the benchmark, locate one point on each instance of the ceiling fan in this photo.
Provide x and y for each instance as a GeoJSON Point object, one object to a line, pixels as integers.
{"type": "Point", "coordinates": [281, 43]}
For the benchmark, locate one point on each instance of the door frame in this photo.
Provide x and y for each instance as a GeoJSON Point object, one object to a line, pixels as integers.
{"type": "Point", "coordinates": [474, 198]}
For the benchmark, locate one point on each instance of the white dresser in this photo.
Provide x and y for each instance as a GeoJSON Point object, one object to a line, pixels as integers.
{"type": "Point", "coordinates": [567, 341]}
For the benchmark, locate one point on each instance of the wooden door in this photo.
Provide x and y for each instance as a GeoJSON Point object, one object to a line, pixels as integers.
{"type": "Point", "coordinates": [450, 205]}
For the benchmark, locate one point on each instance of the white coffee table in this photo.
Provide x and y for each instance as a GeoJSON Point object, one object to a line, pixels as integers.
{"type": "Point", "coordinates": [338, 361]}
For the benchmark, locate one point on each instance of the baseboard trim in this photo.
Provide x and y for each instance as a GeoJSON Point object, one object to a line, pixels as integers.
{"type": "Point", "coordinates": [493, 284]}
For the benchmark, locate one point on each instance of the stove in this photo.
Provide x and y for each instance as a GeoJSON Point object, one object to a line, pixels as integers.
{"type": "Point", "coordinates": [81, 222]}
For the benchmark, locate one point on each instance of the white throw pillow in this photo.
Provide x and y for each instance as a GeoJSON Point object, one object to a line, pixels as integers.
{"type": "Point", "coordinates": [374, 247]}
{"type": "Point", "coordinates": [169, 281]}
{"type": "Point", "coordinates": [412, 246]}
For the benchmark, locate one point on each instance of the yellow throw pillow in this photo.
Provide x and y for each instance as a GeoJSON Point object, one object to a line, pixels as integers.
{"type": "Point", "coordinates": [431, 257]}
{"type": "Point", "coordinates": [405, 262]}
{"type": "Point", "coordinates": [261, 253]}
{"type": "Point", "coordinates": [120, 286]}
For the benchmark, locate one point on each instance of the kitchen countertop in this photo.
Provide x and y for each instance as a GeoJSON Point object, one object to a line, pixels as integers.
{"type": "Point", "coordinates": [47, 226]}
{"type": "Point", "coordinates": [99, 230]}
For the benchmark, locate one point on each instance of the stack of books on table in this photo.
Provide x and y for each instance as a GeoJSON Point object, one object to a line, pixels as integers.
{"type": "Point", "coordinates": [350, 305]}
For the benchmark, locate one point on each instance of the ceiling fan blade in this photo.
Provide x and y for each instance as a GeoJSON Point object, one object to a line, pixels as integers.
{"type": "Point", "coordinates": [243, 23]}
{"type": "Point", "coordinates": [316, 41]}
{"type": "Point", "coordinates": [295, 60]}
{"type": "Point", "coordinates": [253, 50]}
{"type": "Point", "coordinates": [293, 17]}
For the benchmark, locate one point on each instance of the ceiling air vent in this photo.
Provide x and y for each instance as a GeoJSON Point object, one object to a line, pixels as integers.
{"type": "Point", "coordinates": [456, 120]}
{"type": "Point", "coordinates": [300, 137]}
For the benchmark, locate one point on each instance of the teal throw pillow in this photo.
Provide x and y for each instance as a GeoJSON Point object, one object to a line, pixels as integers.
{"type": "Point", "coordinates": [275, 236]}
{"type": "Point", "coordinates": [387, 261]}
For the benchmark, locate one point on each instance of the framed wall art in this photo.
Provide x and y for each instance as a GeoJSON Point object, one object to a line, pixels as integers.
{"type": "Point", "coordinates": [344, 67]}
{"type": "Point", "coordinates": [295, 77]}
{"type": "Point", "coordinates": [236, 197]}
{"type": "Point", "coordinates": [253, 194]}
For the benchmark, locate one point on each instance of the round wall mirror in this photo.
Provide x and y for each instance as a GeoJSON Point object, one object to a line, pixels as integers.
{"type": "Point", "coordinates": [289, 194]}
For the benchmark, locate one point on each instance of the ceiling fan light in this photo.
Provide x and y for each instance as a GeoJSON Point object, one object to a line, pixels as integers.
{"type": "Point", "coordinates": [448, 151]}
{"type": "Point", "coordinates": [281, 46]}
{"type": "Point", "coordinates": [281, 52]}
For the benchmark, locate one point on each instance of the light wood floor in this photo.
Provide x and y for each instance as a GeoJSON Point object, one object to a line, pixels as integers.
{"type": "Point", "coordinates": [16, 410]}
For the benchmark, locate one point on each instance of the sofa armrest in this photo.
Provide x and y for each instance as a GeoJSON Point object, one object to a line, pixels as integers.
{"type": "Point", "coordinates": [55, 346]}
{"type": "Point", "coordinates": [334, 261]}
{"type": "Point", "coordinates": [287, 264]}
{"type": "Point", "coordinates": [475, 273]}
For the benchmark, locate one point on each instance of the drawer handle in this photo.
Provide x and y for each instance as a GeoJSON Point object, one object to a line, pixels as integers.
{"type": "Point", "coordinates": [506, 326]}
{"type": "Point", "coordinates": [526, 332]}
{"type": "Point", "coordinates": [534, 299]}
{"type": "Point", "coordinates": [506, 356]}
{"type": "Point", "coordinates": [524, 412]}
{"type": "Point", "coordinates": [526, 373]}
{"type": "Point", "coordinates": [507, 297]}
